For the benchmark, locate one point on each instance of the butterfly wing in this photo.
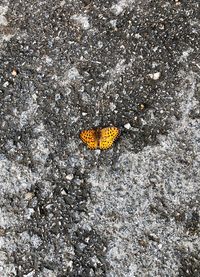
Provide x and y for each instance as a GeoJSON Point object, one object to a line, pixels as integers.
{"type": "Point", "coordinates": [108, 136]}
{"type": "Point", "coordinates": [89, 137]}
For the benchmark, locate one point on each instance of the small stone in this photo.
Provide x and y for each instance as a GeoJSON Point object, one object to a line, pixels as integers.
{"type": "Point", "coordinates": [84, 114]}
{"type": "Point", "coordinates": [6, 84]}
{"type": "Point", "coordinates": [34, 96]}
{"type": "Point", "coordinates": [14, 72]}
{"type": "Point", "coordinates": [62, 3]}
{"type": "Point", "coordinates": [112, 106]}
{"type": "Point", "coordinates": [113, 23]}
{"type": "Point", "coordinates": [63, 192]}
{"type": "Point", "coordinates": [2, 232]}
{"type": "Point", "coordinates": [177, 2]}
{"type": "Point", "coordinates": [127, 126]}
{"type": "Point", "coordinates": [69, 177]}
{"type": "Point", "coordinates": [141, 107]}
{"type": "Point", "coordinates": [138, 36]}
{"type": "Point", "coordinates": [155, 76]}
{"type": "Point", "coordinates": [29, 195]}
{"type": "Point", "coordinates": [153, 237]}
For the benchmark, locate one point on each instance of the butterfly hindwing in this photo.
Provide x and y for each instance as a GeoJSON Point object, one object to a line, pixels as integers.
{"type": "Point", "coordinates": [105, 144]}
{"type": "Point", "coordinates": [92, 145]}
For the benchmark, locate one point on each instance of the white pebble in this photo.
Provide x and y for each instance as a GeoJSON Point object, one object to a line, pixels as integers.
{"type": "Point", "coordinates": [34, 96]}
{"type": "Point", "coordinates": [127, 126]}
{"type": "Point", "coordinates": [29, 195]}
{"type": "Point", "coordinates": [138, 36]}
{"type": "Point", "coordinates": [155, 76]}
{"type": "Point", "coordinates": [69, 177]}
{"type": "Point", "coordinates": [5, 84]}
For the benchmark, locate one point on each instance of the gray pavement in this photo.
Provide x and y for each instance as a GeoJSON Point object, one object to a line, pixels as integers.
{"type": "Point", "coordinates": [129, 211]}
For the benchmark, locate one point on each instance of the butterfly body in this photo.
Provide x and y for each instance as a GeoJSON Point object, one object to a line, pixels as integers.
{"type": "Point", "coordinates": [100, 138]}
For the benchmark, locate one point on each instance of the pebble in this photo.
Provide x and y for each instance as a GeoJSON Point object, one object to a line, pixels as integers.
{"type": "Point", "coordinates": [155, 76]}
{"type": "Point", "coordinates": [127, 126]}
{"type": "Point", "coordinates": [14, 72]}
{"type": "Point", "coordinates": [29, 195]}
{"type": "Point", "coordinates": [69, 177]}
{"type": "Point", "coordinates": [6, 84]}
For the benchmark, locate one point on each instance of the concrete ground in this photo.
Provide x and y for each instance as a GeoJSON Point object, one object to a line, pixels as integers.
{"type": "Point", "coordinates": [132, 210]}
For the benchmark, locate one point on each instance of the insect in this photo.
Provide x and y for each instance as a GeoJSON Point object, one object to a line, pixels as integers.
{"type": "Point", "coordinates": [100, 138]}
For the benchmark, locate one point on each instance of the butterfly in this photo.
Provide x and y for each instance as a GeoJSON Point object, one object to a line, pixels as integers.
{"type": "Point", "coordinates": [100, 138]}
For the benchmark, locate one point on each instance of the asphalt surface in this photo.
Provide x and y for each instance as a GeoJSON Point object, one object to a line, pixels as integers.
{"type": "Point", "coordinates": [132, 210]}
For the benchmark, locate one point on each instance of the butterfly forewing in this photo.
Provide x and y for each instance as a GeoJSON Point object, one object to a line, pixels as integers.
{"type": "Point", "coordinates": [108, 136]}
{"type": "Point", "coordinates": [90, 138]}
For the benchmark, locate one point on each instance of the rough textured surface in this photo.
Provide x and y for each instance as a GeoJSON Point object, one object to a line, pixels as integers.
{"type": "Point", "coordinates": [70, 65]}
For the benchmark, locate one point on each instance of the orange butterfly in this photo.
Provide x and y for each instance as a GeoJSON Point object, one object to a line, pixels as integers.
{"type": "Point", "coordinates": [100, 138]}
